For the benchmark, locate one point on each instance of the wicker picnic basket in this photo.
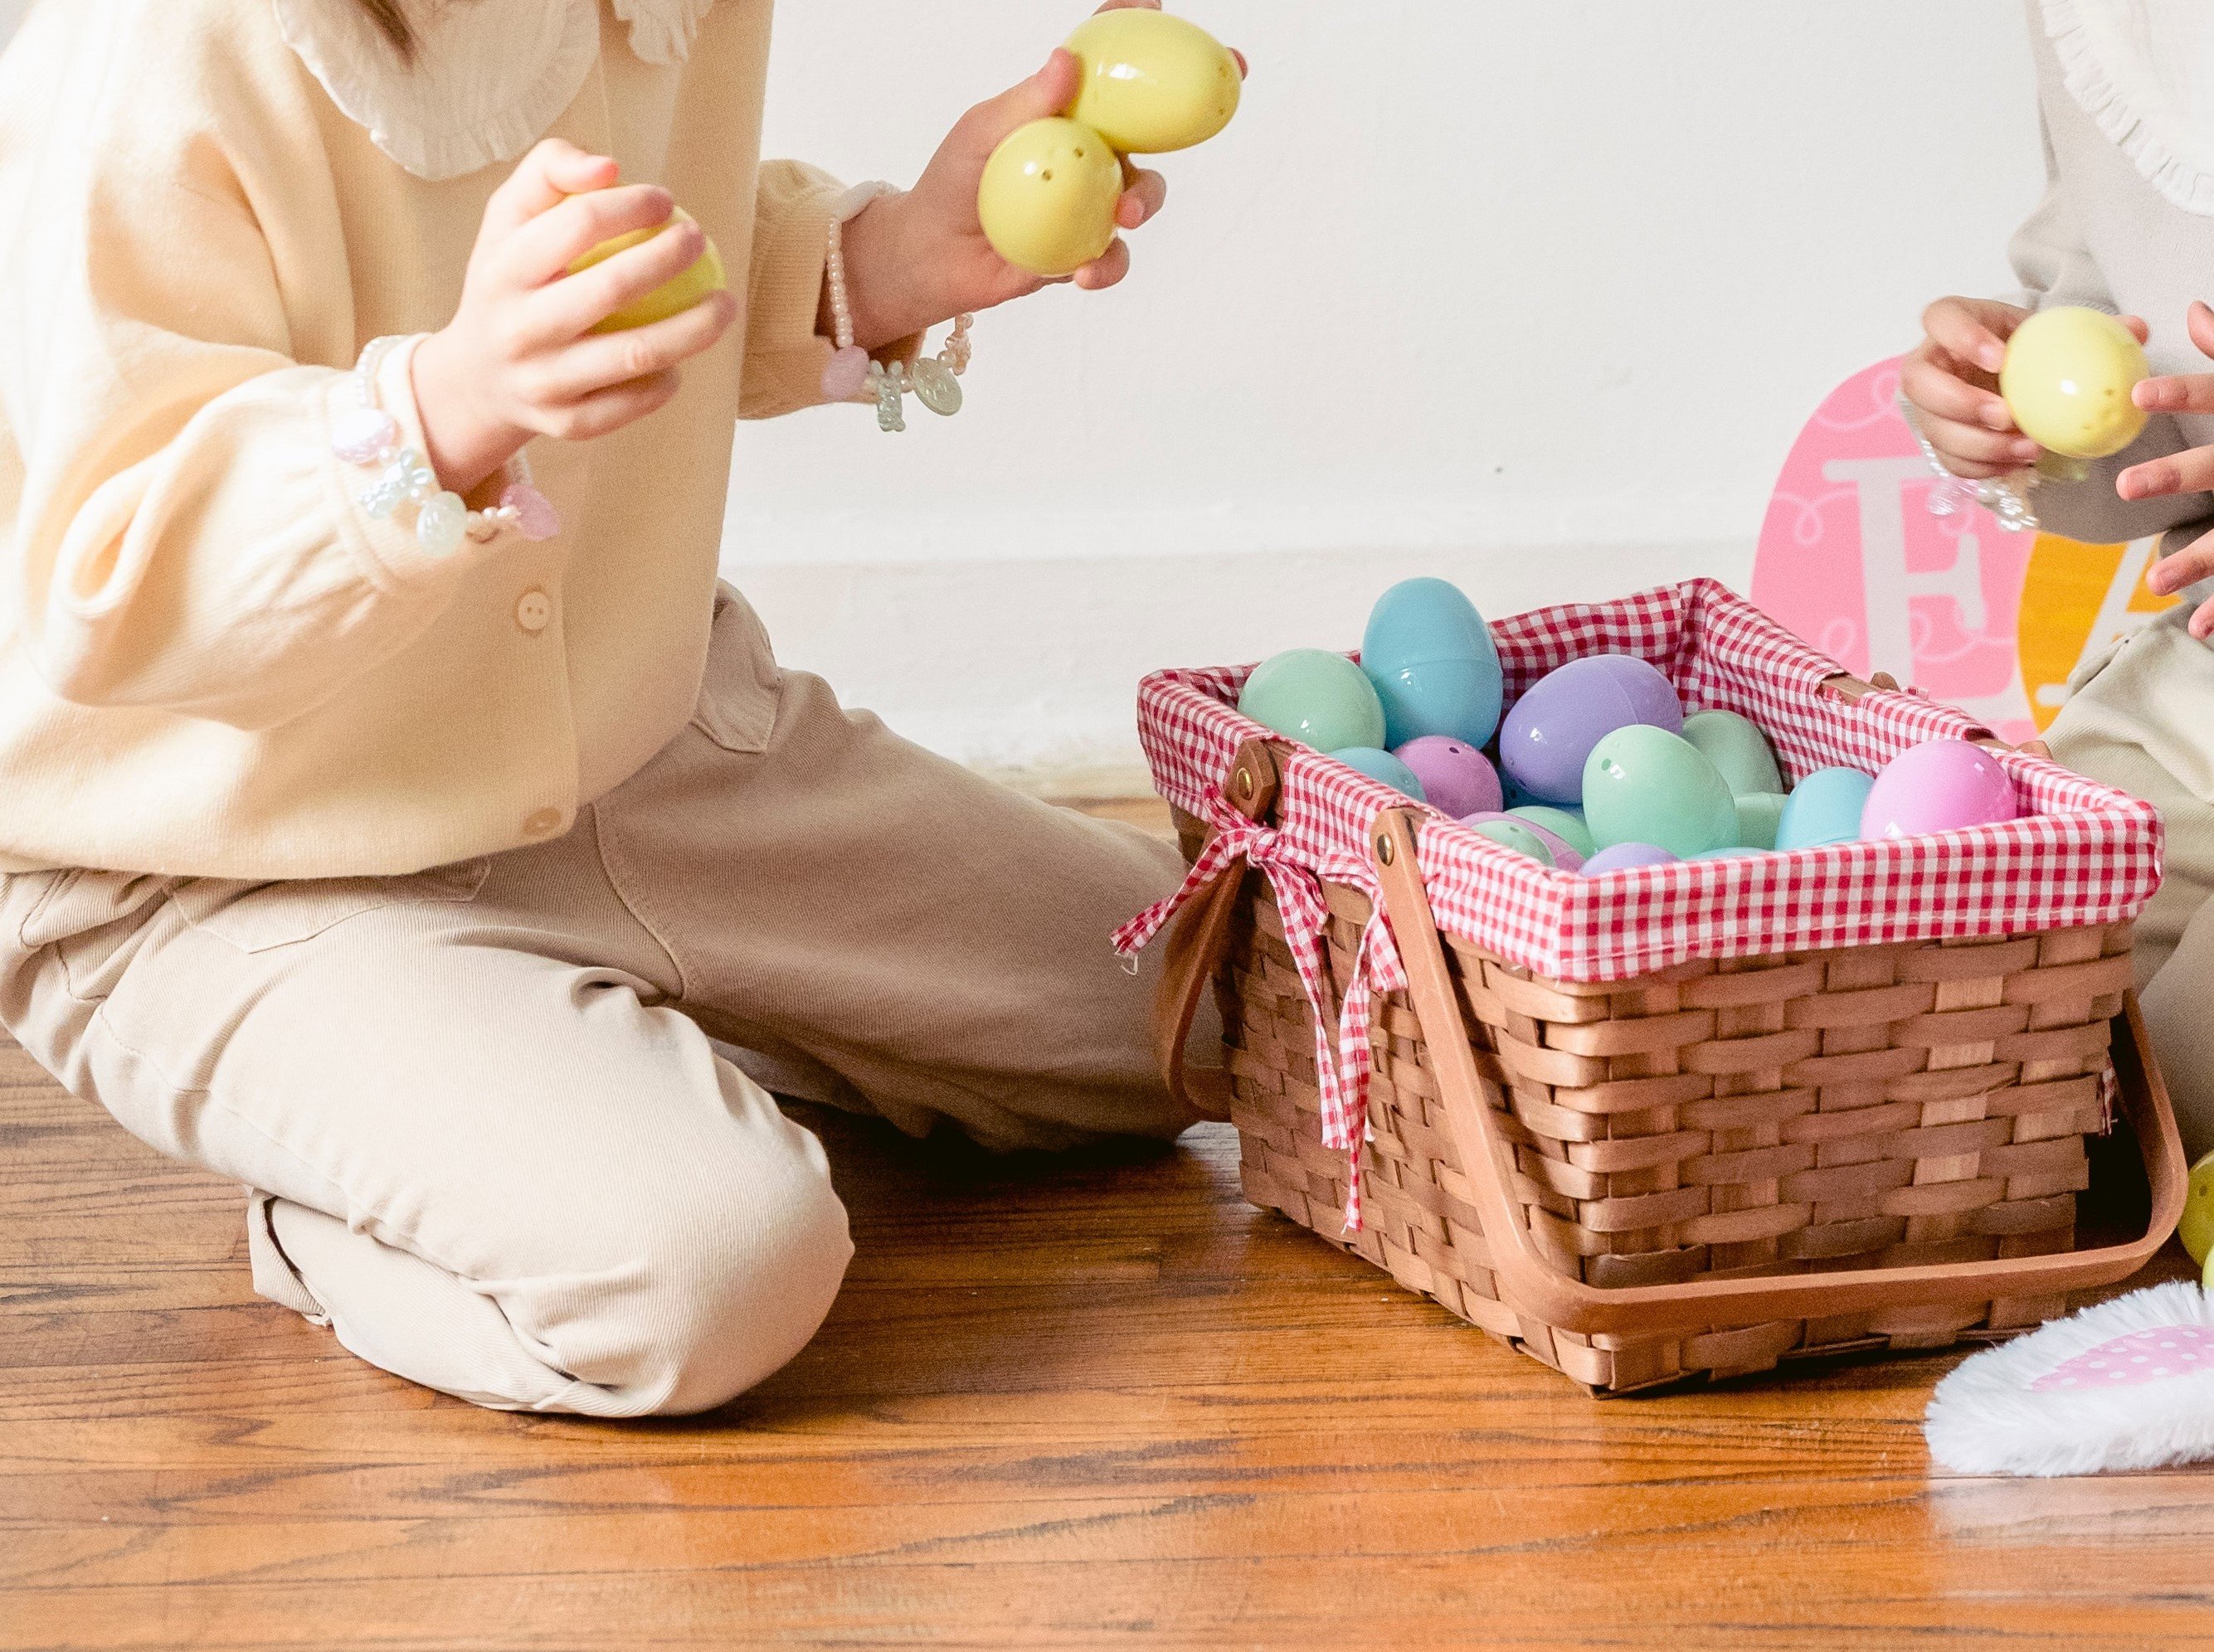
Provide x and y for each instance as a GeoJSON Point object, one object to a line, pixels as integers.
{"type": "Point", "coordinates": [1685, 1120]}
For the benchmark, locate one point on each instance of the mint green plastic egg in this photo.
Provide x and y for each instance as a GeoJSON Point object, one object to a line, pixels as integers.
{"type": "Point", "coordinates": [1736, 746]}
{"type": "Point", "coordinates": [1519, 839]}
{"type": "Point", "coordinates": [1643, 784]}
{"type": "Point", "coordinates": [1315, 696]}
{"type": "Point", "coordinates": [1566, 824]}
{"type": "Point", "coordinates": [1758, 813]}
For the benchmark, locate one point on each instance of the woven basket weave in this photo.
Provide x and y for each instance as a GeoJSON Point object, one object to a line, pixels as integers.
{"type": "Point", "coordinates": [1894, 1107]}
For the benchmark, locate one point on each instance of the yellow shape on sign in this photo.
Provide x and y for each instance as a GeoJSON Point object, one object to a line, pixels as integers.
{"type": "Point", "coordinates": [2076, 602]}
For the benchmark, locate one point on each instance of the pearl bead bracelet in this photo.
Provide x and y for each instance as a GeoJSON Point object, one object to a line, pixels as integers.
{"type": "Point", "coordinates": [364, 434]}
{"type": "Point", "coordinates": [852, 375]}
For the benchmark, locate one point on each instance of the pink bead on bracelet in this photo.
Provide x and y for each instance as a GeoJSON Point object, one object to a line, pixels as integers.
{"type": "Point", "coordinates": [852, 375]}
{"type": "Point", "coordinates": [365, 434]}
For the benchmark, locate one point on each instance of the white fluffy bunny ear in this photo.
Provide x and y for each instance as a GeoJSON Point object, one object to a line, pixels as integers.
{"type": "Point", "coordinates": [2125, 1384]}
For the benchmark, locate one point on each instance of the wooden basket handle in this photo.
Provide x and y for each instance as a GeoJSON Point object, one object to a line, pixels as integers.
{"type": "Point", "coordinates": [1532, 1285]}
{"type": "Point", "coordinates": [1197, 941]}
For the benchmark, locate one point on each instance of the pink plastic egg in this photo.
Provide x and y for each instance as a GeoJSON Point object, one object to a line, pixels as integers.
{"type": "Point", "coordinates": [1938, 786]}
{"type": "Point", "coordinates": [1456, 777]}
{"type": "Point", "coordinates": [1563, 852]}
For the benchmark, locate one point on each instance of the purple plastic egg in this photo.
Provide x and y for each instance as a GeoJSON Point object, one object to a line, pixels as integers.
{"type": "Point", "coordinates": [1618, 857]}
{"type": "Point", "coordinates": [1550, 731]}
{"type": "Point", "coordinates": [1938, 786]}
{"type": "Point", "coordinates": [1456, 777]}
{"type": "Point", "coordinates": [1563, 851]}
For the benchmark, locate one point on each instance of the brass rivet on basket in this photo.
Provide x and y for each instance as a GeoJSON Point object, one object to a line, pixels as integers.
{"type": "Point", "coordinates": [1383, 848]}
{"type": "Point", "coordinates": [1244, 781]}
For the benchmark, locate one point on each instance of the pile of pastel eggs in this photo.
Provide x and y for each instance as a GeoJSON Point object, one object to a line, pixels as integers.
{"type": "Point", "coordinates": [1597, 767]}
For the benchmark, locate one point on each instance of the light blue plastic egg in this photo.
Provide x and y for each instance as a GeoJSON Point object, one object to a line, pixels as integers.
{"type": "Point", "coordinates": [1758, 813]}
{"type": "Point", "coordinates": [1823, 808]}
{"type": "Point", "coordinates": [1379, 765]}
{"type": "Point", "coordinates": [1643, 784]}
{"type": "Point", "coordinates": [1315, 696]}
{"type": "Point", "coordinates": [1566, 824]}
{"type": "Point", "coordinates": [1519, 839]}
{"type": "Point", "coordinates": [1736, 746]}
{"type": "Point", "coordinates": [1436, 668]}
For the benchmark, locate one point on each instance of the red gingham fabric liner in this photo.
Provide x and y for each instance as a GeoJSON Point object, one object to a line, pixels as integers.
{"type": "Point", "coordinates": [2087, 855]}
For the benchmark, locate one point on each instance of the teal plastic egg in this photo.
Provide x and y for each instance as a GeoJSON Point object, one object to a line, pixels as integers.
{"type": "Point", "coordinates": [1736, 746]}
{"type": "Point", "coordinates": [1823, 808]}
{"type": "Point", "coordinates": [1566, 824]}
{"type": "Point", "coordinates": [1434, 664]}
{"type": "Point", "coordinates": [1315, 696]}
{"type": "Point", "coordinates": [1643, 784]}
{"type": "Point", "coordinates": [1758, 814]}
{"type": "Point", "coordinates": [1379, 765]}
{"type": "Point", "coordinates": [1519, 839]}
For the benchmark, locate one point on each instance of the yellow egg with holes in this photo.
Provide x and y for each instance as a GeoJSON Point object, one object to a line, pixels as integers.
{"type": "Point", "coordinates": [2067, 381]}
{"type": "Point", "coordinates": [1152, 82]}
{"type": "Point", "coordinates": [1047, 201]}
{"type": "Point", "coordinates": [2196, 1230]}
{"type": "Point", "coordinates": [672, 297]}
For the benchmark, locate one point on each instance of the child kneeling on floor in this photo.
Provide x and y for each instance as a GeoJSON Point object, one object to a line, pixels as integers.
{"type": "Point", "coordinates": [2125, 95]}
{"type": "Point", "coordinates": [402, 868]}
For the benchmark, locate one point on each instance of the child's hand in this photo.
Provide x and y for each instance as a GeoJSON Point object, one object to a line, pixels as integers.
{"type": "Point", "coordinates": [1951, 379]}
{"type": "Point", "coordinates": [2189, 472]}
{"type": "Point", "coordinates": [519, 359]}
{"type": "Point", "coordinates": [916, 260]}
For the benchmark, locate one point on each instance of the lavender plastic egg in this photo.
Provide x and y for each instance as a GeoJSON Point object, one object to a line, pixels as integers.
{"type": "Point", "coordinates": [1937, 786]}
{"type": "Point", "coordinates": [1516, 835]}
{"type": "Point", "coordinates": [1434, 663]}
{"type": "Point", "coordinates": [1616, 857]}
{"type": "Point", "coordinates": [1379, 764]}
{"type": "Point", "coordinates": [1823, 808]}
{"type": "Point", "coordinates": [1456, 777]}
{"type": "Point", "coordinates": [1549, 735]}
{"type": "Point", "coordinates": [1559, 850]}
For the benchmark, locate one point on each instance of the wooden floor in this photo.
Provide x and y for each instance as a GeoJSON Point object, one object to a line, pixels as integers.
{"type": "Point", "coordinates": [1059, 1403]}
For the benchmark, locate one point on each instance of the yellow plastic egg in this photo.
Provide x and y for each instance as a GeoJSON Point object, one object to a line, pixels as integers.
{"type": "Point", "coordinates": [2067, 381]}
{"type": "Point", "coordinates": [1047, 197]}
{"type": "Point", "coordinates": [2196, 1230]}
{"type": "Point", "coordinates": [1152, 82]}
{"type": "Point", "coordinates": [672, 297]}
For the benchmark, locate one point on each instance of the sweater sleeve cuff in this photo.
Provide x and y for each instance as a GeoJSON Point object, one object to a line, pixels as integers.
{"type": "Point", "coordinates": [794, 208]}
{"type": "Point", "coordinates": [387, 546]}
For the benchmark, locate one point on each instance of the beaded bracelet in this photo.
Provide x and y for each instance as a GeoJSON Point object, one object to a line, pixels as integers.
{"type": "Point", "coordinates": [364, 434]}
{"type": "Point", "coordinates": [853, 375]}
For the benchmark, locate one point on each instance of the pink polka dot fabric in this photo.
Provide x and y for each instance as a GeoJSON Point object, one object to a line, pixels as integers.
{"type": "Point", "coordinates": [2141, 1356]}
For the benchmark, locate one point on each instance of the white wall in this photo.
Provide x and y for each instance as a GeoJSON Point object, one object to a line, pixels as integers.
{"type": "Point", "coordinates": [1533, 297]}
{"type": "Point", "coordinates": [1530, 295]}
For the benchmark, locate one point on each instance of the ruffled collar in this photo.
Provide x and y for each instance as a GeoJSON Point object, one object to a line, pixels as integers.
{"type": "Point", "coordinates": [2144, 71]}
{"type": "Point", "coordinates": [489, 77]}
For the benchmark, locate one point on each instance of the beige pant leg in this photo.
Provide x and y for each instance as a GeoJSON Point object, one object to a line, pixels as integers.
{"type": "Point", "coordinates": [489, 1154]}
{"type": "Point", "coordinates": [853, 905]}
{"type": "Point", "coordinates": [2145, 725]}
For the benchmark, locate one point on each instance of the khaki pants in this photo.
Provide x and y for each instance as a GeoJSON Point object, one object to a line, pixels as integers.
{"type": "Point", "coordinates": [2144, 721]}
{"type": "Point", "coordinates": [488, 1139]}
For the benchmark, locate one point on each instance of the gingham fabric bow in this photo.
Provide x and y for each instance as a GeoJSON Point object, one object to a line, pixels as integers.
{"type": "Point", "coordinates": [1342, 1074]}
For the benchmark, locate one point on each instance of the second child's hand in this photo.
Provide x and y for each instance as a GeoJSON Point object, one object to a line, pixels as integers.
{"type": "Point", "coordinates": [2191, 471]}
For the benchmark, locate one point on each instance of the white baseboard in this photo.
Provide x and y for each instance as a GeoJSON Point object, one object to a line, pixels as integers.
{"type": "Point", "coordinates": [1030, 666]}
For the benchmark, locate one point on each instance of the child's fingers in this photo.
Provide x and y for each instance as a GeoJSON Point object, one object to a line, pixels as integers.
{"type": "Point", "coordinates": [2188, 566]}
{"type": "Point", "coordinates": [2201, 622]}
{"type": "Point", "coordinates": [601, 361]}
{"type": "Point", "coordinates": [1935, 389]}
{"type": "Point", "coordinates": [543, 249]}
{"type": "Point", "coordinates": [1969, 329]}
{"type": "Point", "coordinates": [612, 408]}
{"type": "Point", "coordinates": [1049, 91]}
{"type": "Point", "coordinates": [2198, 322]}
{"type": "Point", "coordinates": [546, 177]}
{"type": "Point", "coordinates": [2189, 472]}
{"type": "Point", "coordinates": [575, 304]}
{"type": "Point", "coordinates": [1957, 441]}
{"type": "Point", "coordinates": [1146, 193]}
{"type": "Point", "coordinates": [2137, 326]}
{"type": "Point", "coordinates": [2176, 392]}
{"type": "Point", "coordinates": [1109, 267]}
